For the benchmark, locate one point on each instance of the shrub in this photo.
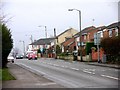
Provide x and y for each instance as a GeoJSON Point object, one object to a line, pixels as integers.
{"type": "Point", "coordinates": [111, 47]}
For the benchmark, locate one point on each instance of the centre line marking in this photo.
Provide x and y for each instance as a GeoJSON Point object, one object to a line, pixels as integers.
{"type": "Point", "coordinates": [110, 77]}
{"type": "Point", "coordinates": [75, 69]}
{"type": "Point", "coordinates": [86, 71]}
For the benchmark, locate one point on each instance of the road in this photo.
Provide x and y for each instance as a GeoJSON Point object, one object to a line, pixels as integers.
{"type": "Point", "coordinates": [73, 74]}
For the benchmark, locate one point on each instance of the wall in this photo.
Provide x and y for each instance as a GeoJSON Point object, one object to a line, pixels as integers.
{"type": "Point", "coordinates": [95, 55]}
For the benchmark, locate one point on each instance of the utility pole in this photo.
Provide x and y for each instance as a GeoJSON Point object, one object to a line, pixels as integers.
{"type": "Point", "coordinates": [55, 43]}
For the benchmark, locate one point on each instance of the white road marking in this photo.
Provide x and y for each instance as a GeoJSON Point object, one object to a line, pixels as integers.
{"type": "Point", "coordinates": [44, 84]}
{"type": "Point", "coordinates": [63, 66]}
{"type": "Point", "coordinates": [56, 65]}
{"type": "Point", "coordinates": [90, 69]}
{"type": "Point", "coordinates": [103, 70]}
{"type": "Point", "coordinates": [74, 69]}
{"type": "Point", "coordinates": [110, 77]}
{"type": "Point", "coordinates": [49, 63]}
{"type": "Point", "coordinates": [87, 71]}
{"type": "Point", "coordinates": [93, 73]}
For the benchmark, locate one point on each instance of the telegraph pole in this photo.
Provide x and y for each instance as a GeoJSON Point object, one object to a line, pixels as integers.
{"type": "Point", "coordinates": [55, 43]}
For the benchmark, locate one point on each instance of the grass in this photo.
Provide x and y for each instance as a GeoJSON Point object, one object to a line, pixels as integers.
{"type": "Point", "coordinates": [5, 75]}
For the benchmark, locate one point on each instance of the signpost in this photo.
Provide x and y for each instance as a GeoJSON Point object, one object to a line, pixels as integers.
{"type": "Point", "coordinates": [97, 42]}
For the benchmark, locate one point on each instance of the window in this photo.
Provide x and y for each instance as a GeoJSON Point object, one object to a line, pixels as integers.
{"type": "Point", "coordinates": [101, 34]}
{"type": "Point", "coordinates": [116, 32]}
{"type": "Point", "coordinates": [110, 33]}
{"type": "Point", "coordinates": [85, 37]}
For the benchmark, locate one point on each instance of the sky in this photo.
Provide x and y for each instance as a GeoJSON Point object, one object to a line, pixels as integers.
{"type": "Point", "coordinates": [27, 15]}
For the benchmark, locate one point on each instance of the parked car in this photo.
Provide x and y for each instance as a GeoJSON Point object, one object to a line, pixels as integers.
{"type": "Point", "coordinates": [10, 59]}
{"type": "Point", "coordinates": [32, 56]}
{"type": "Point", "coordinates": [27, 53]}
{"type": "Point", "coordinates": [19, 56]}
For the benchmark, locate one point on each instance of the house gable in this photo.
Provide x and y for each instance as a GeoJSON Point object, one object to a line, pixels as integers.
{"type": "Point", "coordinates": [66, 34]}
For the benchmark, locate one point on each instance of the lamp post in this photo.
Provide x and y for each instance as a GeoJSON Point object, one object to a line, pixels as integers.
{"type": "Point", "coordinates": [45, 30]}
{"type": "Point", "coordinates": [46, 36]}
{"type": "Point", "coordinates": [80, 31]}
{"type": "Point", "coordinates": [23, 47]}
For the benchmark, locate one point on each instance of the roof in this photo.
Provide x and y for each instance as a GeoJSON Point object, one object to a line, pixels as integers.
{"type": "Point", "coordinates": [65, 31]}
{"type": "Point", "coordinates": [101, 28]}
{"type": "Point", "coordinates": [117, 24]}
{"type": "Point", "coordinates": [113, 25]}
{"type": "Point", "coordinates": [43, 41]}
{"type": "Point", "coordinates": [85, 30]}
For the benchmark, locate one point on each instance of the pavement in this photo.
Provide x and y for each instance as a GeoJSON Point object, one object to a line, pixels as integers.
{"type": "Point", "coordinates": [27, 79]}
{"type": "Point", "coordinates": [105, 65]}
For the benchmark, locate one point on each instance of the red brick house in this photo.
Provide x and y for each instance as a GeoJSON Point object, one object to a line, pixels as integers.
{"type": "Point", "coordinates": [68, 45]}
{"type": "Point", "coordinates": [74, 41]}
{"type": "Point", "coordinates": [87, 36]}
{"type": "Point", "coordinates": [111, 30]}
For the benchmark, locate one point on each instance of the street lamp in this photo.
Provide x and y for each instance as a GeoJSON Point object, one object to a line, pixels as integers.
{"type": "Point", "coordinates": [45, 30]}
{"type": "Point", "coordinates": [46, 36]}
{"type": "Point", "coordinates": [80, 31]}
{"type": "Point", "coordinates": [23, 47]}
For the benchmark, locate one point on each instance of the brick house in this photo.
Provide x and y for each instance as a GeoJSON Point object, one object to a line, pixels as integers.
{"type": "Point", "coordinates": [87, 36]}
{"type": "Point", "coordinates": [111, 30]}
{"type": "Point", "coordinates": [74, 41]}
{"type": "Point", "coordinates": [68, 45]}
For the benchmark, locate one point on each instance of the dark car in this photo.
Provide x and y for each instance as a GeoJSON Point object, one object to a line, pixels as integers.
{"type": "Point", "coordinates": [19, 57]}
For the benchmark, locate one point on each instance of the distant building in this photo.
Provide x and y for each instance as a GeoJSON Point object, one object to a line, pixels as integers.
{"type": "Point", "coordinates": [48, 43]}
{"type": "Point", "coordinates": [42, 43]}
{"type": "Point", "coordinates": [69, 33]}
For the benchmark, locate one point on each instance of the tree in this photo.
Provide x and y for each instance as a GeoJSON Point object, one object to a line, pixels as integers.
{"type": "Point", "coordinates": [58, 49]}
{"type": "Point", "coordinates": [89, 45]}
{"type": "Point", "coordinates": [7, 44]}
{"type": "Point", "coordinates": [111, 45]}
{"type": "Point", "coordinates": [0, 45]}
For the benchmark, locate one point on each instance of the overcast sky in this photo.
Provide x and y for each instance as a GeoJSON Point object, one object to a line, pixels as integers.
{"type": "Point", "coordinates": [27, 15]}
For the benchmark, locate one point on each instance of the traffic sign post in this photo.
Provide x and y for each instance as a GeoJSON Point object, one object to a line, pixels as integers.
{"type": "Point", "coordinates": [97, 42]}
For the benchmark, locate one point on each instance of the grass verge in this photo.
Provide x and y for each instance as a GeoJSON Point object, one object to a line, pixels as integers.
{"type": "Point", "coordinates": [5, 75]}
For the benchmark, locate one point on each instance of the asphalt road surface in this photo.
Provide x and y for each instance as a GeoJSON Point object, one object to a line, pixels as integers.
{"type": "Point", "coordinates": [73, 74]}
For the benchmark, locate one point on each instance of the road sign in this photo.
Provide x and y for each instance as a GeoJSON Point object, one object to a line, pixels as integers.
{"type": "Point", "coordinates": [97, 38]}
{"type": "Point", "coordinates": [97, 42]}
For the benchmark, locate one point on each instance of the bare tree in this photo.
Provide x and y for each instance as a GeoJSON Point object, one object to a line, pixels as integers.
{"type": "Point", "coordinates": [4, 17]}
